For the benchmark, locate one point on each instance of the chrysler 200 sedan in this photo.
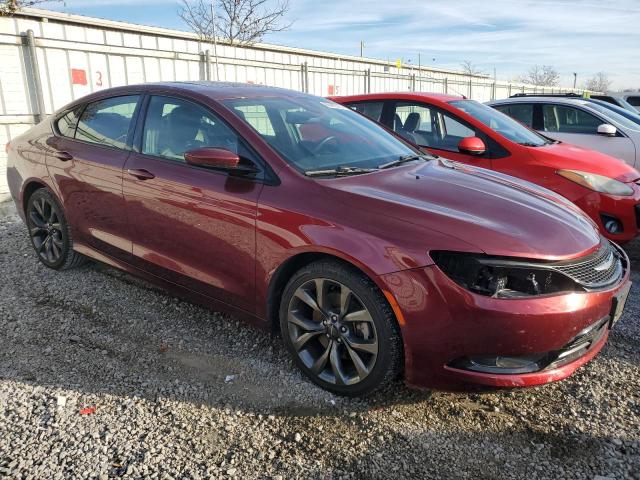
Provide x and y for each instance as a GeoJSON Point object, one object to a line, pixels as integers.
{"type": "Point", "coordinates": [372, 259]}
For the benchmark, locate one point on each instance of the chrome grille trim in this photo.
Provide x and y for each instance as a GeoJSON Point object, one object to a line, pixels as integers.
{"type": "Point", "coordinates": [598, 270]}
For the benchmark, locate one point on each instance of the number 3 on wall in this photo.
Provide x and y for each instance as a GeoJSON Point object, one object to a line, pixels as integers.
{"type": "Point", "coordinates": [99, 79]}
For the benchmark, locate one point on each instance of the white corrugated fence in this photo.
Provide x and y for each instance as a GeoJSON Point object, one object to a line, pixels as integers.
{"type": "Point", "coordinates": [48, 59]}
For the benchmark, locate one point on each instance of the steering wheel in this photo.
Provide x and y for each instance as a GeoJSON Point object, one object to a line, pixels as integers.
{"type": "Point", "coordinates": [318, 148]}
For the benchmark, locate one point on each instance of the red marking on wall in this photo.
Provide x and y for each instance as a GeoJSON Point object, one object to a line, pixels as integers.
{"type": "Point", "coordinates": [78, 76]}
{"type": "Point", "coordinates": [333, 90]}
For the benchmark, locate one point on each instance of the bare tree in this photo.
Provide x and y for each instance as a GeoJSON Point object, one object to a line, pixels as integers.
{"type": "Point", "coordinates": [470, 69]}
{"type": "Point", "coordinates": [542, 75]}
{"type": "Point", "coordinates": [598, 83]}
{"type": "Point", "coordinates": [9, 7]}
{"type": "Point", "coordinates": [237, 21]}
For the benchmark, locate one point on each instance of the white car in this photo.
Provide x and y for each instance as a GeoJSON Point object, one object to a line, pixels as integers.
{"type": "Point", "coordinates": [576, 121]}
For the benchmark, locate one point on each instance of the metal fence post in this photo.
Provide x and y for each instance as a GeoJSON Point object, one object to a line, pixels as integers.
{"type": "Point", "coordinates": [305, 77]}
{"type": "Point", "coordinates": [207, 57]}
{"type": "Point", "coordinates": [446, 85]}
{"type": "Point", "coordinates": [35, 73]}
{"type": "Point", "coordinates": [367, 80]}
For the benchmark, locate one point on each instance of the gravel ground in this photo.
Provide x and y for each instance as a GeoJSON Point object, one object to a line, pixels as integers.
{"type": "Point", "coordinates": [105, 376]}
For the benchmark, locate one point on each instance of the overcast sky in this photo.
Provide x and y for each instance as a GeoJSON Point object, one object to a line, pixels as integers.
{"type": "Point", "coordinates": [583, 36]}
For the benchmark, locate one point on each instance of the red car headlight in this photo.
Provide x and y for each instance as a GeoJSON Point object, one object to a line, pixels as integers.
{"type": "Point", "coordinates": [502, 277]}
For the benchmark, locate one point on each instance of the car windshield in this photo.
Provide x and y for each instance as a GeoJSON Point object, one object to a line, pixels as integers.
{"type": "Point", "coordinates": [315, 134]}
{"type": "Point", "coordinates": [614, 116]}
{"type": "Point", "coordinates": [501, 123]}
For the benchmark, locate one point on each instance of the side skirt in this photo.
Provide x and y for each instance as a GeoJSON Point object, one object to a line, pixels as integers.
{"type": "Point", "coordinates": [174, 288]}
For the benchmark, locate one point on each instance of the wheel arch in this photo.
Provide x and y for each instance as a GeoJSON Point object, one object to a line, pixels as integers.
{"type": "Point", "coordinates": [286, 269]}
{"type": "Point", "coordinates": [29, 189]}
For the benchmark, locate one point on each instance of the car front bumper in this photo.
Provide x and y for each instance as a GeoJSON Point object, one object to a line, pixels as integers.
{"type": "Point", "coordinates": [443, 323]}
{"type": "Point", "coordinates": [625, 210]}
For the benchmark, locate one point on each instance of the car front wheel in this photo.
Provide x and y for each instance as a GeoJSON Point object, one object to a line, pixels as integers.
{"type": "Point", "coordinates": [340, 329]}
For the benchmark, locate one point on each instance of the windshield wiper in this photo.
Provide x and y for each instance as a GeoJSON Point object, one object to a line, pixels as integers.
{"type": "Point", "coordinates": [404, 159]}
{"type": "Point", "coordinates": [339, 172]}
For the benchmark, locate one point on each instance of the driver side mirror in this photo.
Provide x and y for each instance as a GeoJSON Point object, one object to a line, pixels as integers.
{"type": "Point", "coordinates": [472, 146]}
{"type": "Point", "coordinates": [607, 130]}
{"type": "Point", "coordinates": [220, 158]}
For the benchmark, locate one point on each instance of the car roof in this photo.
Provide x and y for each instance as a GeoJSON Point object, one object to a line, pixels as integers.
{"type": "Point", "coordinates": [213, 90]}
{"type": "Point", "coordinates": [534, 99]}
{"type": "Point", "coordinates": [424, 96]}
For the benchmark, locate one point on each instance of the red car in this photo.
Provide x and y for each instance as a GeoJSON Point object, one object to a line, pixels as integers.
{"type": "Point", "coordinates": [606, 188]}
{"type": "Point", "coordinates": [372, 259]}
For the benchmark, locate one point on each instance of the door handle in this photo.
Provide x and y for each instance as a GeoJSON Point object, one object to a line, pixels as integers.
{"type": "Point", "coordinates": [64, 156]}
{"type": "Point", "coordinates": [141, 174]}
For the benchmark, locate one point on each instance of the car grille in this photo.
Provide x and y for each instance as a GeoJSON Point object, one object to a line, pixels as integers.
{"type": "Point", "coordinates": [597, 270]}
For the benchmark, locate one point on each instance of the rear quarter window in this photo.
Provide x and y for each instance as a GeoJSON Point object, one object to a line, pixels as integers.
{"type": "Point", "coordinates": [66, 125]}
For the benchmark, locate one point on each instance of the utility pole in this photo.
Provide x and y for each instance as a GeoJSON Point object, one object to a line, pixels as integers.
{"type": "Point", "coordinates": [575, 79]}
{"type": "Point", "coordinates": [215, 41]}
{"type": "Point", "coordinates": [361, 49]}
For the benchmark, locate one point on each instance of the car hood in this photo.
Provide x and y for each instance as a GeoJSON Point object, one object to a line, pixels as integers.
{"type": "Point", "coordinates": [496, 213]}
{"type": "Point", "coordinates": [571, 157]}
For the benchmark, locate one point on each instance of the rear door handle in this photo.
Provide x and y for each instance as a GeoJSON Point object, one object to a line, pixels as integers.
{"type": "Point", "coordinates": [141, 174]}
{"type": "Point", "coordinates": [64, 156]}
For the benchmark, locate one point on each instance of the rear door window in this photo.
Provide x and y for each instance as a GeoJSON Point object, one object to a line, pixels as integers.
{"type": "Point", "coordinates": [107, 122]}
{"type": "Point", "coordinates": [373, 110]}
{"type": "Point", "coordinates": [566, 119]}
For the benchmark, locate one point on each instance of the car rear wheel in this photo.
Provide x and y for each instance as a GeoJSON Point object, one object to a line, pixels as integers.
{"type": "Point", "coordinates": [49, 232]}
{"type": "Point", "coordinates": [340, 329]}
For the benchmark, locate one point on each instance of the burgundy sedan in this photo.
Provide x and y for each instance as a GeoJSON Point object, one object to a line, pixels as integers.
{"type": "Point", "coordinates": [372, 259]}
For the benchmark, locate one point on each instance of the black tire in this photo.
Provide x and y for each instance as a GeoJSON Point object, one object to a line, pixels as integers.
{"type": "Point", "coordinates": [50, 233]}
{"type": "Point", "coordinates": [310, 346]}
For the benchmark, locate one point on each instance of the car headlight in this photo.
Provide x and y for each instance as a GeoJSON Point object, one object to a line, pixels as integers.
{"type": "Point", "coordinates": [502, 277]}
{"type": "Point", "coordinates": [598, 183]}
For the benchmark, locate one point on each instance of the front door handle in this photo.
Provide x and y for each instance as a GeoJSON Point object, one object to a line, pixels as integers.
{"type": "Point", "coordinates": [141, 174]}
{"type": "Point", "coordinates": [64, 156]}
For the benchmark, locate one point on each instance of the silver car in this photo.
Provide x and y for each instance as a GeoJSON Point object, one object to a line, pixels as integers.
{"type": "Point", "coordinates": [577, 121]}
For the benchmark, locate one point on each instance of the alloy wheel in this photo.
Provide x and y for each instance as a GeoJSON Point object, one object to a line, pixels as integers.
{"type": "Point", "coordinates": [46, 231]}
{"type": "Point", "coordinates": [332, 332]}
